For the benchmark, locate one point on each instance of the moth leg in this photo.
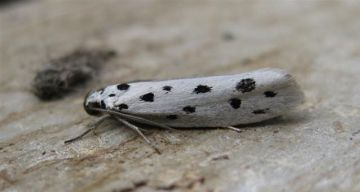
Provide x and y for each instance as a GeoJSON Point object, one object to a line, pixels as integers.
{"type": "Point", "coordinates": [234, 129]}
{"type": "Point", "coordinates": [146, 121]}
{"type": "Point", "coordinates": [92, 128]}
{"type": "Point", "coordinates": [137, 129]}
{"type": "Point", "coordinates": [144, 130]}
{"type": "Point", "coordinates": [134, 118]}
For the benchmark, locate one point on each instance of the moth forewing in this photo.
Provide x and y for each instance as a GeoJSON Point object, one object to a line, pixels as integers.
{"type": "Point", "coordinates": [205, 101]}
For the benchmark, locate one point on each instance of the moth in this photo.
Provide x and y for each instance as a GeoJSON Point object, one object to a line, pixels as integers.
{"type": "Point", "coordinates": [215, 101]}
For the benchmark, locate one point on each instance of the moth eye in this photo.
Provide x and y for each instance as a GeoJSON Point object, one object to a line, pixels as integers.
{"type": "Point", "coordinates": [89, 104]}
{"type": "Point", "coordinates": [89, 108]}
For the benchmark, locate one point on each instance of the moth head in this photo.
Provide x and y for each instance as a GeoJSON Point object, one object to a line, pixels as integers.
{"type": "Point", "coordinates": [104, 98]}
{"type": "Point", "coordinates": [92, 102]}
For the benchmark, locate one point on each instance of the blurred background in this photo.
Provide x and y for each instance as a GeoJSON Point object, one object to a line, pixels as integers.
{"type": "Point", "coordinates": [315, 148]}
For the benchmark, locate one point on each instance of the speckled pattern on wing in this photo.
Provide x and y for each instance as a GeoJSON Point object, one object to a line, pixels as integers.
{"type": "Point", "coordinates": [216, 101]}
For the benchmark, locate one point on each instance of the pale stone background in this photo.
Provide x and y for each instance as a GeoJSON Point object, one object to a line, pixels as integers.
{"type": "Point", "coordinates": [316, 148]}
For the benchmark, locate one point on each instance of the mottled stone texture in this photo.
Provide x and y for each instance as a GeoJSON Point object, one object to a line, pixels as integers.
{"type": "Point", "coordinates": [316, 148]}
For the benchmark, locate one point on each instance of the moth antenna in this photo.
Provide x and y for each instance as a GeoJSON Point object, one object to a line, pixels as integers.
{"type": "Point", "coordinates": [134, 118]}
{"type": "Point", "coordinates": [137, 129]}
{"type": "Point", "coordinates": [92, 128]}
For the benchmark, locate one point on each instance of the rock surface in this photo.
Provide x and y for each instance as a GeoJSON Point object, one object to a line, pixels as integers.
{"type": "Point", "coordinates": [316, 148]}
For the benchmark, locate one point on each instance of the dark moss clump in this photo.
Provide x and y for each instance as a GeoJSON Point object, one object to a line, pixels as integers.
{"type": "Point", "coordinates": [62, 75]}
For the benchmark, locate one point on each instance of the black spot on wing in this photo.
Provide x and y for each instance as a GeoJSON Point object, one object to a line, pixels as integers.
{"type": "Point", "coordinates": [189, 109]}
{"type": "Point", "coordinates": [260, 111]}
{"type": "Point", "coordinates": [270, 94]}
{"type": "Point", "coordinates": [112, 95]}
{"type": "Point", "coordinates": [246, 85]}
{"type": "Point", "coordinates": [172, 117]}
{"type": "Point", "coordinates": [148, 97]}
{"type": "Point", "coordinates": [202, 89]}
{"type": "Point", "coordinates": [102, 104]}
{"type": "Point", "coordinates": [235, 103]}
{"type": "Point", "coordinates": [167, 88]}
{"type": "Point", "coordinates": [123, 86]}
{"type": "Point", "coordinates": [123, 106]}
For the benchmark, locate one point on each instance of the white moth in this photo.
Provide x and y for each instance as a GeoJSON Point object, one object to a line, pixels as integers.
{"type": "Point", "coordinates": [216, 101]}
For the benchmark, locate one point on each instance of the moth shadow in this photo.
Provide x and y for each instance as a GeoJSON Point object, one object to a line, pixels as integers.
{"type": "Point", "coordinates": [291, 119]}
